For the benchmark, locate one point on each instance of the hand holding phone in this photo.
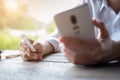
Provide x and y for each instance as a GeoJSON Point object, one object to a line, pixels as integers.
{"type": "Point", "coordinates": [76, 22]}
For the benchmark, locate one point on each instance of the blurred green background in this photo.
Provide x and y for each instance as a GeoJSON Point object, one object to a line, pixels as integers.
{"type": "Point", "coordinates": [15, 19]}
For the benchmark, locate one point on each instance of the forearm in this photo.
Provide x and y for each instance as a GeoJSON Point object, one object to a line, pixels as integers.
{"type": "Point", "coordinates": [48, 48]}
{"type": "Point", "coordinates": [112, 52]}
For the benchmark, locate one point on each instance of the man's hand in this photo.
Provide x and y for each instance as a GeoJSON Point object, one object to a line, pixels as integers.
{"type": "Point", "coordinates": [28, 55]}
{"type": "Point", "coordinates": [83, 52]}
{"type": "Point", "coordinates": [42, 49]}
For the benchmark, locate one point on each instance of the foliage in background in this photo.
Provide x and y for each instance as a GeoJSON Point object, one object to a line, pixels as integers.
{"type": "Point", "coordinates": [8, 42]}
{"type": "Point", "coordinates": [18, 19]}
{"type": "Point", "coordinates": [51, 27]}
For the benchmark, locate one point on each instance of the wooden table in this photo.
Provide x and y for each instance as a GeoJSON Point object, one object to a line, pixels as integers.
{"type": "Point", "coordinates": [54, 67]}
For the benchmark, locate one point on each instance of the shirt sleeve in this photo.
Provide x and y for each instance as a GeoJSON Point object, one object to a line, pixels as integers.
{"type": "Point", "coordinates": [53, 40]}
{"type": "Point", "coordinates": [116, 36]}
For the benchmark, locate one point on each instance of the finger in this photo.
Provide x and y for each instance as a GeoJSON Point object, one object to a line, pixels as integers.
{"type": "Point", "coordinates": [26, 57]}
{"type": "Point", "coordinates": [102, 30]}
{"type": "Point", "coordinates": [76, 44]}
{"type": "Point", "coordinates": [68, 40]}
{"type": "Point", "coordinates": [31, 56]}
{"type": "Point", "coordinates": [26, 50]}
{"type": "Point", "coordinates": [68, 55]}
{"type": "Point", "coordinates": [23, 42]}
{"type": "Point", "coordinates": [23, 45]}
{"type": "Point", "coordinates": [63, 39]}
{"type": "Point", "coordinates": [31, 41]}
{"type": "Point", "coordinates": [77, 58]}
{"type": "Point", "coordinates": [38, 47]}
{"type": "Point", "coordinates": [26, 53]}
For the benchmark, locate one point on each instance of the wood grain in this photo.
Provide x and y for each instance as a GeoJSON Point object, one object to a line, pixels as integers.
{"type": "Point", "coordinates": [55, 67]}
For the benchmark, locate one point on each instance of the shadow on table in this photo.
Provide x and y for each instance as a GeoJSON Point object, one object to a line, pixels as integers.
{"type": "Point", "coordinates": [110, 64]}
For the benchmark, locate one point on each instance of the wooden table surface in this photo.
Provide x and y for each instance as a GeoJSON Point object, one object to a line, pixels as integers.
{"type": "Point", "coordinates": [54, 67]}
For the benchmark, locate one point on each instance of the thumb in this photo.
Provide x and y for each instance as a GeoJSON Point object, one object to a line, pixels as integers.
{"type": "Point", "coordinates": [103, 33]}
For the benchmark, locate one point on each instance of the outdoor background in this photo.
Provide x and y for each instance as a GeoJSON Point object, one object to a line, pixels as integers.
{"type": "Point", "coordinates": [14, 21]}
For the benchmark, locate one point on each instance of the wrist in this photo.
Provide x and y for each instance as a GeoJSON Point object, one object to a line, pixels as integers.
{"type": "Point", "coordinates": [106, 45]}
{"type": "Point", "coordinates": [47, 48]}
{"type": "Point", "coordinates": [111, 50]}
{"type": "Point", "coordinates": [106, 50]}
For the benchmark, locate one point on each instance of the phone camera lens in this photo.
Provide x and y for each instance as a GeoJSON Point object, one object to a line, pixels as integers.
{"type": "Point", "coordinates": [73, 19]}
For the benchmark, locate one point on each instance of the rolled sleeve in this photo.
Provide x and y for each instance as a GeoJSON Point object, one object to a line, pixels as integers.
{"type": "Point", "coordinates": [53, 40]}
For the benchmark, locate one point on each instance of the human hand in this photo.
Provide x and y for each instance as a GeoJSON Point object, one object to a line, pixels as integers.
{"type": "Point", "coordinates": [28, 55]}
{"type": "Point", "coordinates": [83, 52]}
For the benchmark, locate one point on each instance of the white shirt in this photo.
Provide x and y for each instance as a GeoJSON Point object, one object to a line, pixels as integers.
{"type": "Point", "coordinates": [101, 11]}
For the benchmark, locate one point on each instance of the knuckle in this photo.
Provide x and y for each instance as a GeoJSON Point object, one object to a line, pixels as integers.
{"type": "Point", "coordinates": [38, 47]}
{"type": "Point", "coordinates": [27, 57]}
{"type": "Point", "coordinates": [101, 23]}
{"type": "Point", "coordinates": [21, 43]}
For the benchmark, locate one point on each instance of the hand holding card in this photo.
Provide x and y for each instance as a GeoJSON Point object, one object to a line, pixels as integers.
{"type": "Point", "coordinates": [28, 43]}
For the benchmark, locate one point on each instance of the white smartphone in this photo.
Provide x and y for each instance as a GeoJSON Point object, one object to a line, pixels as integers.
{"type": "Point", "coordinates": [76, 22]}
